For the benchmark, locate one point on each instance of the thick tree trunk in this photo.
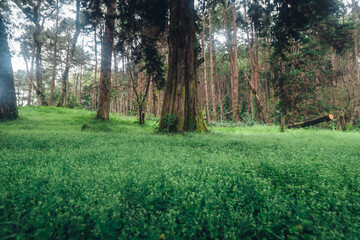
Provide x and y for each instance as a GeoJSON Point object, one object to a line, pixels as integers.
{"type": "Point", "coordinates": [181, 110]}
{"type": "Point", "coordinates": [204, 68]}
{"type": "Point", "coordinates": [54, 54]}
{"type": "Point", "coordinates": [65, 75]}
{"type": "Point", "coordinates": [8, 109]}
{"type": "Point", "coordinates": [212, 79]}
{"type": "Point", "coordinates": [106, 54]}
{"type": "Point", "coordinates": [96, 65]}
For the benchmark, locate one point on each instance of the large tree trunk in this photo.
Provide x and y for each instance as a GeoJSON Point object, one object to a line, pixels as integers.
{"type": "Point", "coordinates": [212, 82]}
{"type": "Point", "coordinates": [54, 54]}
{"type": "Point", "coordinates": [204, 68]}
{"type": "Point", "coordinates": [8, 109]}
{"type": "Point", "coordinates": [181, 110]}
{"type": "Point", "coordinates": [106, 54]}
{"type": "Point", "coordinates": [65, 75]}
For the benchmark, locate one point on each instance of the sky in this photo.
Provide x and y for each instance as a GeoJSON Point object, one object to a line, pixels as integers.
{"type": "Point", "coordinates": [18, 62]}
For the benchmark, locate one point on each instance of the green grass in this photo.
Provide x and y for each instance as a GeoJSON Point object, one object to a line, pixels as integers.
{"type": "Point", "coordinates": [120, 180]}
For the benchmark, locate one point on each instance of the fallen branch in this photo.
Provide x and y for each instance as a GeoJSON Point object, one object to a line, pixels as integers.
{"type": "Point", "coordinates": [303, 124]}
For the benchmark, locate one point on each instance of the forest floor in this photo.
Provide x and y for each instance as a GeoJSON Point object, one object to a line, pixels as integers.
{"type": "Point", "coordinates": [120, 180]}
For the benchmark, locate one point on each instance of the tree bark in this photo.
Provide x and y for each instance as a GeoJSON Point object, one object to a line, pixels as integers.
{"type": "Point", "coordinates": [181, 110]}
{"type": "Point", "coordinates": [235, 90]}
{"type": "Point", "coordinates": [116, 83]}
{"type": "Point", "coordinates": [106, 54]}
{"type": "Point", "coordinates": [8, 109]}
{"type": "Point", "coordinates": [204, 66]}
{"type": "Point", "coordinates": [212, 79]}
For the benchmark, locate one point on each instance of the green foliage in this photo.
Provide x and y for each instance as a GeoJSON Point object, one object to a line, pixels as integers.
{"type": "Point", "coordinates": [169, 122]}
{"type": "Point", "coordinates": [59, 182]}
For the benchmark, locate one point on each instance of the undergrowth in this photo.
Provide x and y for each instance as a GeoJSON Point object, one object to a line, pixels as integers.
{"type": "Point", "coordinates": [117, 179]}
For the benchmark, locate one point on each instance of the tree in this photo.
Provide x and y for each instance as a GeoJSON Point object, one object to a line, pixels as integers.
{"type": "Point", "coordinates": [204, 66]}
{"type": "Point", "coordinates": [37, 12]}
{"type": "Point", "coordinates": [70, 56]}
{"type": "Point", "coordinates": [8, 109]}
{"type": "Point", "coordinates": [54, 54]}
{"type": "Point", "coordinates": [181, 110]}
{"type": "Point", "coordinates": [106, 55]}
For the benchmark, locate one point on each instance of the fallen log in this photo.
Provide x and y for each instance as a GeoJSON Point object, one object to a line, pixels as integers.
{"type": "Point", "coordinates": [303, 124]}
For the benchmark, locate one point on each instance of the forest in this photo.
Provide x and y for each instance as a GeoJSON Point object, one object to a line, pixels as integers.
{"type": "Point", "coordinates": [179, 119]}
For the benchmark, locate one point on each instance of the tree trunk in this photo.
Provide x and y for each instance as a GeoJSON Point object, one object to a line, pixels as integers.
{"type": "Point", "coordinates": [96, 65]}
{"type": "Point", "coordinates": [139, 86]}
{"type": "Point", "coordinates": [38, 75]}
{"type": "Point", "coordinates": [181, 110]}
{"type": "Point", "coordinates": [116, 83]}
{"type": "Point", "coordinates": [235, 90]}
{"type": "Point", "coordinates": [8, 109]}
{"type": "Point", "coordinates": [65, 75]}
{"type": "Point", "coordinates": [106, 54]}
{"type": "Point", "coordinates": [212, 83]}
{"type": "Point", "coordinates": [155, 98]}
{"type": "Point", "coordinates": [54, 54]}
{"type": "Point", "coordinates": [204, 66]}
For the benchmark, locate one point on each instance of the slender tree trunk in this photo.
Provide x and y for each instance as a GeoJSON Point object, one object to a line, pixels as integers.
{"type": "Point", "coordinates": [96, 65]}
{"type": "Point", "coordinates": [204, 66]}
{"type": "Point", "coordinates": [65, 75]}
{"type": "Point", "coordinates": [54, 54]}
{"type": "Point", "coordinates": [125, 96]}
{"type": "Point", "coordinates": [130, 89]}
{"type": "Point", "coordinates": [116, 83]}
{"type": "Point", "coordinates": [106, 54]}
{"type": "Point", "coordinates": [221, 90]}
{"type": "Point", "coordinates": [181, 110]}
{"type": "Point", "coordinates": [30, 76]}
{"type": "Point", "coordinates": [356, 49]}
{"type": "Point", "coordinates": [212, 79]}
{"type": "Point", "coordinates": [155, 98]}
{"type": "Point", "coordinates": [235, 90]}
{"type": "Point", "coordinates": [38, 69]}
{"type": "Point", "coordinates": [139, 85]}
{"type": "Point", "coordinates": [8, 109]}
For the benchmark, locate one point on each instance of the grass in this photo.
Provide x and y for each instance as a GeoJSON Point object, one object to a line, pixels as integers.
{"type": "Point", "coordinates": [120, 180]}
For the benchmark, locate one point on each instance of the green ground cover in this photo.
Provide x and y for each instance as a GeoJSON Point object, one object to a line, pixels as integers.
{"type": "Point", "coordinates": [121, 180]}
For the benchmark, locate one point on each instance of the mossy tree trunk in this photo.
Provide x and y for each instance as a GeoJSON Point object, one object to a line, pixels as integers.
{"type": "Point", "coordinates": [8, 109]}
{"type": "Point", "coordinates": [181, 110]}
{"type": "Point", "coordinates": [106, 55]}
